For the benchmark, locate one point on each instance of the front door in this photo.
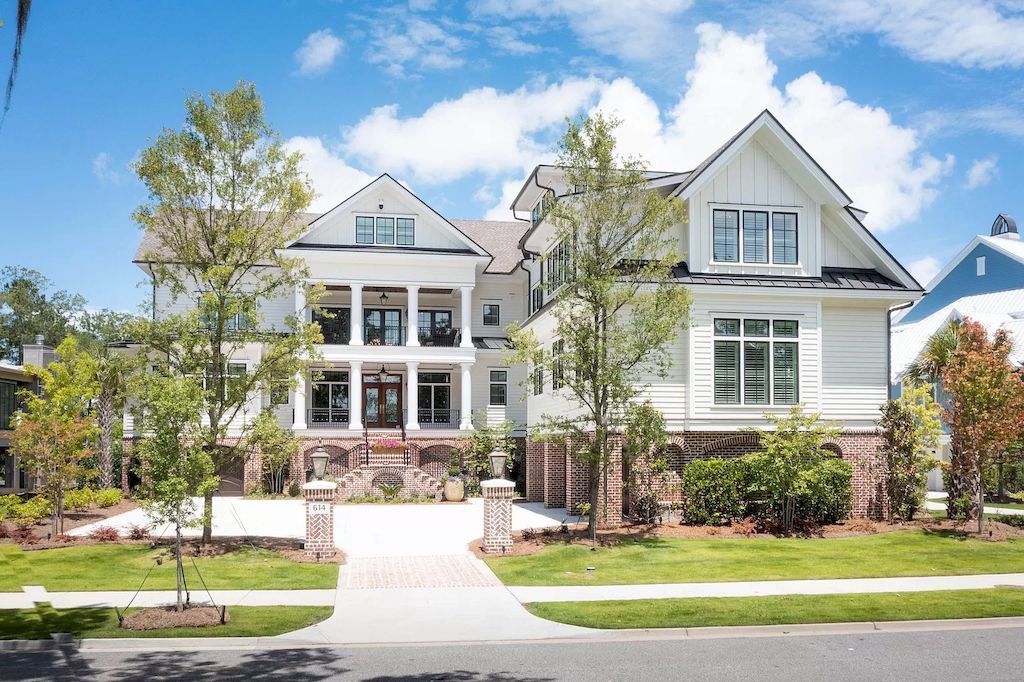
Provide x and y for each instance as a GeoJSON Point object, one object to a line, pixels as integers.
{"type": "Point", "coordinates": [382, 401]}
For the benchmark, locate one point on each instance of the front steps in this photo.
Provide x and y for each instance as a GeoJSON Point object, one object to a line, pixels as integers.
{"type": "Point", "coordinates": [366, 480]}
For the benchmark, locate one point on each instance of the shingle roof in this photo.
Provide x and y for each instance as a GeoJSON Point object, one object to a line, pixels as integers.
{"type": "Point", "coordinates": [831, 278]}
{"type": "Point", "coordinates": [500, 238]}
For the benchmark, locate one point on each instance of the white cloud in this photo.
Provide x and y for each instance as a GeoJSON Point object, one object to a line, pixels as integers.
{"type": "Point", "coordinates": [102, 170]}
{"type": "Point", "coordinates": [925, 269]}
{"type": "Point", "coordinates": [981, 172]}
{"type": "Point", "coordinates": [333, 178]}
{"type": "Point", "coordinates": [641, 30]}
{"type": "Point", "coordinates": [506, 39]}
{"type": "Point", "coordinates": [401, 41]}
{"type": "Point", "coordinates": [318, 52]}
{"type": "Point", "coordinates": [971, 33]}
{"type": "Point", "coordinates": [484, 130]}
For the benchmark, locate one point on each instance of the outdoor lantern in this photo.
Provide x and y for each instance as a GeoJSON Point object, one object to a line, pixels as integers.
{"type": "Point", "coordinates": [383, 298]}
{"type": "Point", "coordinates": [497, 458]}
{"type": "Point", "coordinates": [382, 375]}
{"type": "Point", "coordinates": [319, 458]}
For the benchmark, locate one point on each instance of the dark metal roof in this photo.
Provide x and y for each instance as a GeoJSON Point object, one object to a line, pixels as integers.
{"type": "Point", "coordinates": [490, 343]}
{"type": "Point", "coordinates": [831, 278]}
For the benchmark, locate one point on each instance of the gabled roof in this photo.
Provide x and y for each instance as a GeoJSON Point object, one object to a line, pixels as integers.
{"type": "Point", "coordinates": [1010, 248]}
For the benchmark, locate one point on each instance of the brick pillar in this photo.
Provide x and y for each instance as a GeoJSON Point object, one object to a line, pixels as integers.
{"type": "Point", "coordinates": [497, 515]}
{"type": "Point", "coordinates": [577, 477]}
{"type": "Point", "coordinates": [554, 475]}
{"type": "Point", "coordinates": [609, 506]}
{"type": "Point", "coordinates": [534, 471]}
{"type": "Point", "coordinates": [319, 518]}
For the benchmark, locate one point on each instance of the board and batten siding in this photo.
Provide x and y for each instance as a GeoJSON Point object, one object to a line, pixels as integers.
{"type": "Point", "coordinates": [753, 178]}
{"type": "Point", "coordinates": [854, 382]}
{"type": "Point", "coordinates": [837, 252]}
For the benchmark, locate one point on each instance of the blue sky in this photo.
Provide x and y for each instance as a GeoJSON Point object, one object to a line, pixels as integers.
{"type": "Point", "coordinates": [912, 106]}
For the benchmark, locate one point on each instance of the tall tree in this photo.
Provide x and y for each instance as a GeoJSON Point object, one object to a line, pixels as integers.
{"type": "Point", "coordinates": [224, 199]}
{"type": "Point", "coordinates": [985, 412]}
{"type": "Point", "coordinates": [616, 306]}
{"type": "Point", "coordinates": [912, 427]}
{"type": "Point", "coordinates": [114, 370]}
{"type": "Point", "coordinates": [937, 353]}
{"type": "Point", "coordinates": [29, 307]}
{"type": "Point", "coordinates": [54, 434]}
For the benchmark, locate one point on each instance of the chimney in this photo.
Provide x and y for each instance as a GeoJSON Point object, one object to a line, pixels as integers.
{"type": "Point", "coordinates": [38, 353]}
{"type": "Point", "coordinates": [1005, 227]}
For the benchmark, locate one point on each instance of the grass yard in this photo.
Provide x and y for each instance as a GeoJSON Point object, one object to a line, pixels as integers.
{"type": "Point", "coordinates": [246, 621]}
{"type": "Point", "coordinates": [829, 608]}
{"type": "Point", "coordinates": [679, 560]}
{"type": "Point", "coordinates": [88, 568]}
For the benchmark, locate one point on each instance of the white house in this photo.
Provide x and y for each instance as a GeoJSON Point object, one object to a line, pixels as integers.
{"type": "Point", "coordinates": [791, 304]}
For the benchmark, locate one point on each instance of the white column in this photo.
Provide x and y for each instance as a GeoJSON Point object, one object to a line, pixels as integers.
{"type": "Point", "coordinates": [412, 398]}
{"type": "Point", "coordinates": [356, 317]}
{"type": "Point", "coordinates": [300, 301]}
{"type": "Point", "coordinates": [467, 317]}
{"type": "Point", "coordinates": [355, 395]}
{"type": "Point", "coordinates": [466, 389]}
{"type": "Point", "coordinates": [412, 337]}
{"type": "Point", "coordinates": [299, 416]}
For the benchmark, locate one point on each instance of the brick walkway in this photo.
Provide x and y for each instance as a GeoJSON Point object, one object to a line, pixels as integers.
{"type": "Point", "coordinates": [420, 571]}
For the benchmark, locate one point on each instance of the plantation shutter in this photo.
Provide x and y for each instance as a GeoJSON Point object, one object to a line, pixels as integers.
{"type": "Point", "coordinates": [755, 373]}
{"type": "Point", "coordinates": [785, 373]}
{"type": "Point", "coordinates": [727, 372]}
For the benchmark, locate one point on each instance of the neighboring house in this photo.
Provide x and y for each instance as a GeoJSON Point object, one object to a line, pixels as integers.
{"type": "Point", "coordinates": [14, 479]}
{"type": "Point", "coordinates": [791, 303]}
{"type": "Point", "coordinates": [984, 282]}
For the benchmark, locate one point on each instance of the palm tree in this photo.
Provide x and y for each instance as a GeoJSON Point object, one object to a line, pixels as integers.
{"type": "Point", "coordinates": [937, 353]}
{"type": "Point", "coordinates": [24, 7]}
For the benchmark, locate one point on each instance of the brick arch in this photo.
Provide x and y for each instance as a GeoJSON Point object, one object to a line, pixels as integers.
{"type": "Point", "coordinates": [386, 476]}
{"type": "Point", "coordinates": [732, 446]}
{"type": "Point", "coordinates": [676, 456]}
{"type": "Point", "coordinates": [833, 446]}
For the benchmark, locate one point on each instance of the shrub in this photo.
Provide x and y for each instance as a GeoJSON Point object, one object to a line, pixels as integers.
{"type": "Point", "coordinates": [1016, 520]}
{"type": "Point", "coordinates": [390, 490]}
{"type": "Point", "coordinates": [5, 532]}
{"type": "Point", "coordinates": [78, 499]}
{"type": "Point", "coordinates": [714, 491]}
{"type": "Point", "coordinates": [824, 493]}
{"type": "Point", "coordinates": [31, 511]}
{"type": "Point", "coordinates": [8, 503]}
{"type": "Point", "coordinates": [135, 532]}
{"type": "Point", "coordinates": [104, 534]}
{"type": "Point", "coordinates": [293, 489]}
{"type": "Point", "coordinates": [108, 497]}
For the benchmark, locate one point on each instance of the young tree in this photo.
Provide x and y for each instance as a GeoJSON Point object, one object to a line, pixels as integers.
{"type": "Point", "coordinates": [643, 459]}
{"type": "Point", "coordinates": [224, 199]}
{"type": "Point", "coordinates": [275, 445]}
{"type": "Point", "coordinates": [912, 427]}
{"type": "Point", "coordinates": [616, 305]}
{"type": "Point", "coordinates": [985, 412]}
{"type": "Point", "coordinates": [178, 467]}
{"type": "Point", "coordinates": [483, 440]}
{"type": "Point", "coordinates": [29, 308]}
{"type": "Point", "coordinates": [114, 370]}
{"type": "Point", "coordinates": [54, 433]}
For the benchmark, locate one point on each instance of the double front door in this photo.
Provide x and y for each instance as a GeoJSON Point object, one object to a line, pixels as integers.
{"type": "Point", "coordinates": [382, 401]}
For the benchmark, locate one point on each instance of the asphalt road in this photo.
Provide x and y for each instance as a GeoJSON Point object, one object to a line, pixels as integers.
{"type": "Point", "coordinates": [988, 655]}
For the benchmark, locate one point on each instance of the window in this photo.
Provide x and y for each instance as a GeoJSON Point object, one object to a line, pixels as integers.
{"type": "Point", "coordinates": [364, 230]}
{"type": "Point", "coordinates": [231, 377]}
{"type": "Point", "coordinates": [279, 393]}
{"type": "Point", "coordinates": [979, 263]}
{"type": "Point", "coordinates": [756, 366]}
{"type": "Point", "coordinates": [754, 236]}
{"type": "Point", "coordinates": [784, 238]}
{"type": "Point", "coordinates": [434, 398]}
{"type": "Point", "coordinates": [334, 324]}
{"type": "Point", "coordinates": [244, 320]}
{"type": "Point", "coordinates": [406, 235]}
{"type": "Point", "coordinates": [726, 236]}
{"type": "Point", "coordinates": [538, 380]}
{"type": "Point", "coordinates": [385, 230]}
{"type": "Point", "coordinates": [330, 399]}
{"type": "Point", "coordinates": [8, 404]}
{"type": "Point", "coordinates": [557, 365]}
{"type": "Point", "coordinates": [558, 268]}
{"type": "Point", "coordinates": [492, 314]}
{"type": "Point", "coordinates": [499, 387]}
{"type": "Point", "coordinates": [435, 328]}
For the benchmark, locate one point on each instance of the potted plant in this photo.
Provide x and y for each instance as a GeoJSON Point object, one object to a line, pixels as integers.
{"type": "Point", "coordinates": [454, 487]}
{"type": "Point", "coordinates": [387, 446]}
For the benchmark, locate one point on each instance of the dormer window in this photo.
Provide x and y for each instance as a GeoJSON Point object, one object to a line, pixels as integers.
{"type": "Point", "coordinates": [385, 230]}
{"type": "Point", "coordinates": [756, 236]}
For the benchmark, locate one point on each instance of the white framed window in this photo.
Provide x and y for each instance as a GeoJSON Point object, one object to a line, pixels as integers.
{"type": "Point", "coordinates": [979, 263]}
{"type": "Point", "coordinates": [498, 387]}
{"type": "Point", "coordinates": [756, 361]}
{"type": "Point", "coordinates": [754, 235]}
{"type": "Point", "coordinates": [386, 230]}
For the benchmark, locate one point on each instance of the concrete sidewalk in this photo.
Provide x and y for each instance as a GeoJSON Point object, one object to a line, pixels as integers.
{"type": "Point", "coordinates": [35, 594]}
{"type": "Point", "coordinates": [937, 502]}
{"type": "Point", "coordinates": [765, 588]}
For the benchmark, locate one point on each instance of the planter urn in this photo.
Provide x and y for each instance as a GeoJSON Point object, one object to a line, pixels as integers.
{"type": "Point", "coordinates": [454, 489]}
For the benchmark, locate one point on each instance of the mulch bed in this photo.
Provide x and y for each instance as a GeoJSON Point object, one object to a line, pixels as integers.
{"type": "Point", "coordinates": [168, 617]}
{"type": "Point", "coordinates": [37, 538]}
{"type": "Point", "coordinates": [530, 541]}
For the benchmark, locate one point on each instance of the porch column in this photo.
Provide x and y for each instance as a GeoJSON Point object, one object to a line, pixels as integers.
{"type": "Point", "coordinates": [412, 337]}
{"type": "Point", "coordinates": [466, 389]}
{"type": "Point", "coordinates": [356, 316]}
{"type": "Point", "coordinates": [299, 415]}
{"type": "Point", "coordinates": [467, 317]}
{"type": "Point", "coordinates": [412, 420]}
{"type": "Point", "coordinates": [300, 301]}
{"type": "Point", "coordinates": [355, 395]}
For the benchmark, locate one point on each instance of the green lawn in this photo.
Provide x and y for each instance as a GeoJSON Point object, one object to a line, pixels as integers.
{"type": "Point", "coordinates": [830, 608]}
{"type": "Point", "coordinates": [122, 567]}
{"type": "Point", "coordinates": [676, 560]}
{"type": "Point", "coordinates": [246, 621]}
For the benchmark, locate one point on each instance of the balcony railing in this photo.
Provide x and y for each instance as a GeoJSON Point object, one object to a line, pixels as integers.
{"type": "Point", "coordinates": [439, 336]}
{"type": "Point", "coordinates": [330, 417]}
{"type": "Point", "coordinates": [338, 418]}
{"type": "Point", "coordinates": [387, 335]}
{"type": "Point", "coordinates": [430, 418]}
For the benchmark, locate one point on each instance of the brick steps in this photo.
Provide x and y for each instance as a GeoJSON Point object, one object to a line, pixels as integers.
{"type": "Point", "coordinates": [366, 480]}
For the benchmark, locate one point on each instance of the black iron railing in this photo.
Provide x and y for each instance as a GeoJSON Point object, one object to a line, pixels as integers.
{"type": "Point", "coordinates": [331, 417]}
{"type": "Point", "coordinates": [430, 418]}
{"type": "Point", "coordinates": [439, 336]}
{"type": "Point", "coordinates": [387, 335]}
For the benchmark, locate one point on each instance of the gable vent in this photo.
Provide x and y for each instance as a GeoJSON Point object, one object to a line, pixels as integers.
{"type": "Point", "coordinates": [1005, 227]}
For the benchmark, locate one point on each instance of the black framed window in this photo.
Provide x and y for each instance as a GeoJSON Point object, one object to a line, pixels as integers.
{"type": "Point", "coordinates": [334, 324]}
{"type": "Point", "coordinates": [727, 372]}
{"type": "Point", "coordinates": [405, 231]}
{"type": "Point", "coordinates": [557, 365]}
{"type": "Point", "coordinates": [786, 373]}
{"type": "Point", "coordinates": [8, 404]}
{"type": "Point", "coordinates": [538, 380]}
{"type": "Point", "coordinates": [755, 236]}
{"type": "Point", "coordinates": [330, 398]}
{"type": "Point", "coordinates": [498, 387]}
{"type": "Point", "coordinates": [385, 230]}
{"type": "Point", "coordinates": [726, 237]}
{"type": "Point", "coordinates": [364, 229]}
{"type": "Point", "coordinates": [755, 366]}
{"type": "Point", "coordinates": [279, 393]}
{"type": "Point", "coordinates": [784, 245]}
{"type": "Point", "coordinates": [434, 398]}
{"type": "Point", "coordinates": [492, 314]}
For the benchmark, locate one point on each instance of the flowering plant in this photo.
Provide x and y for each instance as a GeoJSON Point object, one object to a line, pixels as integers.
{"type": "Point", "coordinates": [387, 443]}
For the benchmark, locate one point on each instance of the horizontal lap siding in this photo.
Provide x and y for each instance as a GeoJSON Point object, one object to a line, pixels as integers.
{"type": "Point", "coordinates": [854, 361]}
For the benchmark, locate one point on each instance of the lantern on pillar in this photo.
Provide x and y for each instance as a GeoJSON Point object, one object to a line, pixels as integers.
{"type": "Point", "coordinates": [319, 459]}
{"type": "Point", "coordinates": [497, 458]}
